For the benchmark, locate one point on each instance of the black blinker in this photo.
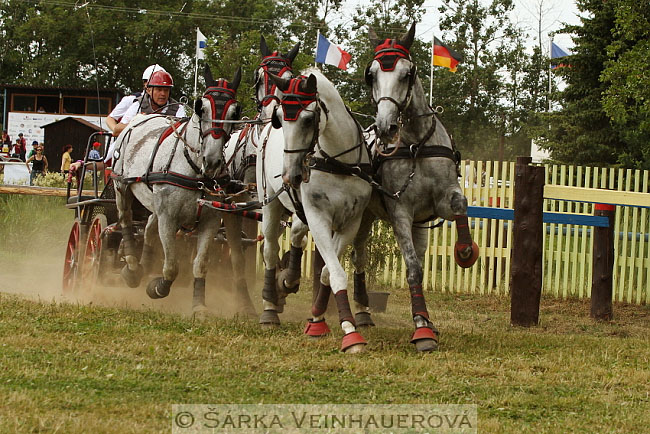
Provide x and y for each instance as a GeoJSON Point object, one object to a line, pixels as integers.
{"type": "Point", "coordinates": [275, 119]}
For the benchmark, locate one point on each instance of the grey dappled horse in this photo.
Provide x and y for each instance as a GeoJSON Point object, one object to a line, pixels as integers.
{"type": "Point", "coordinates": [241, 157]}
{"type": "Point", "coordinates": [167, 164]}
{"type": "Point", "coordinates": [418, 172]}
{"type": "Point", "coordinates": [321, 150]}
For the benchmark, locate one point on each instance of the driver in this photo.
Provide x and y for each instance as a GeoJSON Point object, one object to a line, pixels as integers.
{"type": "Point", "coordinates": [115, 116]}
{"type": "Point", "coordinates": [155, 100]}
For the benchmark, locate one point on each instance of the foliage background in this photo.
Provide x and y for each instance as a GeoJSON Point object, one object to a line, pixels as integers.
{"type": "Point", "coordinates": [494, 105]}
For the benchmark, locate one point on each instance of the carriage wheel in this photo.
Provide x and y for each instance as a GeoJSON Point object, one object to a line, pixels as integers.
{"type": "Point", "coordinates": [91, 266]}
{"type": "Point", "coordinates": [71, 264]}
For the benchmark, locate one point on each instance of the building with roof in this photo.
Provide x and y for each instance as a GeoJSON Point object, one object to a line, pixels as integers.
{"type": "Point", "coordinates": [25, 109]}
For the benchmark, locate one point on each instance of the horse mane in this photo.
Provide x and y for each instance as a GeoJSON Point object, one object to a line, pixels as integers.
{"type": "Point", "coordinates": [326, 89]}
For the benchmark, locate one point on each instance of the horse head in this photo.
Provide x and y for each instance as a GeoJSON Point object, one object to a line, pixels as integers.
{"type": "Point", "coordinates": [218, 104]}
{"type": "Point", "coordinates": [275, 63]}
{"type": "Point", "coordinates": [300, 122]}
{"type": "Point", "coordinates": [391, 75]}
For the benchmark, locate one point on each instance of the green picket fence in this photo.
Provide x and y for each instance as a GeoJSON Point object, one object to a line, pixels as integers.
{"type": "Point", "coordinates": [567, 258]}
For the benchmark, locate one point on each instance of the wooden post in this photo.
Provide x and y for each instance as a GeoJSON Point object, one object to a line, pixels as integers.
{"type": "Point", "coordinates": [603, 265]}
{"type": "Point", "coordinates": [526, 271]}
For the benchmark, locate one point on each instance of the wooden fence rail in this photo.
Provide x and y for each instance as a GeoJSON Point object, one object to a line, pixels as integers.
{"type": "Point", "coordinates": [567, 247]}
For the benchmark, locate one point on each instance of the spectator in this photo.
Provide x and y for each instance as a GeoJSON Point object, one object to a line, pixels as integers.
{"type": "Point", "coordinates": [23, 146]}
{"type": "Point", "coordinates": [15, 149]}
{"type": "Point", "coordinates": [6, 140]}
{"type": "Point", "coordinates": [40, 110]}
{"type": "Point", "coordinates": [39, 164]}
{"type": "Point", "coordinates": [33, 151]}
{"type": "Point", "coordinates": [94, 152]}
{"type": "Point", "coordinates": [66, 159]}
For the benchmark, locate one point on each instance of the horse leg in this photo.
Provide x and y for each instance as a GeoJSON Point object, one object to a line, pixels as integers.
{"type": "Point", "coordinates": [159, 287]}
{"type": "Point", "coordinates": [331, 248]}
{"type": "Point", "coordinates": [233, 224]}
{"type": "Point", "coordinates": [317, 326]}
{"type": "Point", "coordinates": [148, 247]}
{"type": "Point", "coordinates": [289, 278]}
{"type": "Point", "coordinates": [131, 272]}
{"type": "Point", "coordinates": [207, 229]}
{"type": "Point", "coordinates": [454, 207]}
{"type": "Point", "coordinates": [465, 250]}
{"type": "Point", "coordinates": [271, 230]}
{"type": "Point", "coordinates": [425, 336]}
{"type": "Point", "coordinates": [360, 260]}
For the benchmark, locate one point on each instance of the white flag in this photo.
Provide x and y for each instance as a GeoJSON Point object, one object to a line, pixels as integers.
{"type": "Point", "coordinates": [201, 42]}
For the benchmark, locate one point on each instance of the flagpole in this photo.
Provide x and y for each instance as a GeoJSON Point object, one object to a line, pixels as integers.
{"type": "Point", "coordinates": [316, 54]}
{"type": "Point", "coordinates": [433, 41]}
{"type": "Point", "coordinates": [550, 54]}
{"type": "Point", "coordinates": [196, 61]}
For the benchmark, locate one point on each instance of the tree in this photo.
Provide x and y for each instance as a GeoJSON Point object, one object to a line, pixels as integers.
{"type": "Point", "coordinates": [581, 132]}
{"type": "Point", "coordinates": [482, 109]}
{"type": "Point", "coordinates": [626, 100]}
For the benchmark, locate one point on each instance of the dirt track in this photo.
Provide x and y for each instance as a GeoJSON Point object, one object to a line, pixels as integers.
{"type": "Point", "coordinates": [38, 277]}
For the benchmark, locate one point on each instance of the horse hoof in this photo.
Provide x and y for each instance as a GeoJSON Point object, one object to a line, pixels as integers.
{"type": "Point", "coordinates": [281, 282]}
{"type": "Point", "coordinates": [316, 329]}
{"type": "Point", "coordinates": [355, 349]}
{"type": "Point", "coordinates": [158, 288]}
{"type": "Point", "coordinates": [353, 343]}
{"type": "Point", "coordinates": [132, 278]}
{"type": "Point", "coordinates": [425, 339]}
{"type": "Point", "coordinates": [269, 319]}
{"type": "Point", "coordinates": [466, 255]}
{"type": "Point", "coordinates": [363, 319]}
{"type": "Point", "coordinates": [426, 345]}
{"type": "Point", "coordinates": [200, 312]}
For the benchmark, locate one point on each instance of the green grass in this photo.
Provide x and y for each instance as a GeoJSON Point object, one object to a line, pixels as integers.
{"type": "Point", "coordinates": [72, 368]}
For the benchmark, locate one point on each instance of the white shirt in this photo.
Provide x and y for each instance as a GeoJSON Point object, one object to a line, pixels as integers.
{"type": "Point", "coordinates": [133, 110]}
{"type": "Point", "coordinates": [122, 107]}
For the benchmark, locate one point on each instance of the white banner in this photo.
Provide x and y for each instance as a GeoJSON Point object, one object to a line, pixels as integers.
{"type": "Point", "coordinates": [30, 124]}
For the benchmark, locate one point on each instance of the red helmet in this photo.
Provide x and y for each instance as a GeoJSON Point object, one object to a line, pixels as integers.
{"type": "Point", "coordinates": [160, 79]}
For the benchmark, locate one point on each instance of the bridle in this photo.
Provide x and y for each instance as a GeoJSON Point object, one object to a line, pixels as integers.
{"type": "Point", "coordinates": [387, 55]}
{"type": "Point", "coordinates": [293, 102]}
{"type": "Point", "coordinates": [221, 97]}
{"type": "Point", "coordinates": [276, 64]}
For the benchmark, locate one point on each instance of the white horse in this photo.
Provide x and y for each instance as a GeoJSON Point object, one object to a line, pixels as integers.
{"type": "Point", "coordinates": [241, 150]}
{"type": "Point", "coordinates": [319, 161]}
{"type": "Point", "coordinates": [418, 172]}
{"type": "Point", "coordinates": [241, 158]}
{"type": "Point", "coordinates": [167, 164]}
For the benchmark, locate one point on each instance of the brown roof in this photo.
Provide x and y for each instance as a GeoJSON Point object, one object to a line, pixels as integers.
{"type": "Point", "coordinates": [81, 121]}
{"type": "Point", "coordinates": [45, 86]}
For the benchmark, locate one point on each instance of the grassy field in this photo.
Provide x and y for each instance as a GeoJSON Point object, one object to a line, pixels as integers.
{"type": "Point", "coordinates": [78, 368]}
{"type": "Point", "coordinates": [72, 368]}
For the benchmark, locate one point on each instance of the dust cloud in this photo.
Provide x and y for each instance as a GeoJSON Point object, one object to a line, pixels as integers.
{"type": "Point", "coordinates": [38, 277]}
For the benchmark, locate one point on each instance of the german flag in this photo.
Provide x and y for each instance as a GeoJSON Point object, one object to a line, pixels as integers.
{"type": "Point", "coordinates": [445, 56]}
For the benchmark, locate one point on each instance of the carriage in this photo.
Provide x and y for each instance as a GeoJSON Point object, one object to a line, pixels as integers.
{"type": "Point", "coordinates": [93, 253]}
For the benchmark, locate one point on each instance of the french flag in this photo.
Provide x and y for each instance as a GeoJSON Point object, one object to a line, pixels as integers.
{"type": "Point", "coordinates": [331, 54]}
